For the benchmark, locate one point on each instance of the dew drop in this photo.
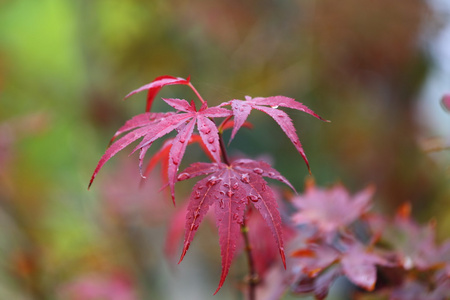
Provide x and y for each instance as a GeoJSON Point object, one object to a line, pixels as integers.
{"type": "Point", "coordinates": [205, 130]}
{"type": "Point", "coordinates": [235, 186]}
{"type": "Point", "coordinates": [212, 181]}
{"type": "Point", "coordinates": [253, 198]}
{"type": "Point", "coordinates": [196, 194]}
{"type": "Point", "coordinates": [245, 178]}
{"type": "Point", "coordinates": [230, 193]}
{"type": "Point", "coordinates": [235, 216]}
{"type": "Point", "coordinates": [221, 204]}
{"type": "Point", "coordinates": [175, 161]}
{"type": "Point", "coordinates": [183, 176]}
{"type": "Point", "coordinates": [213, 149]}
{"type": "Point", "coordinates": [182, 140]}
{"type": "Point", "coordinates": [279, 178]}
{"type": "Point", "coordinates": [275, 106]}
{"type": "Point", "coordinates": [271, 174]}
{"type": "Point", "coordinates": [226, 185]}
{"type": "Point", "coordinates": [258, 171]}
{"type": "Point", "coordinates": [211, 140]}
{"type": "Point", "coordinates": [280, 116]}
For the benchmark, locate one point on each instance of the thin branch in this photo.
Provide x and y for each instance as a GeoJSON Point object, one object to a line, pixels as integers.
{"type": "Point", "coordinates": [253, 277]}
{"type": "Point", "coordinates": [223, 150]}
{"type": "Point", "coordinates": [196, 93]}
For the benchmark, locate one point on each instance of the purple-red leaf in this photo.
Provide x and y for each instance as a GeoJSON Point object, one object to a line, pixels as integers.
{"type": "Point", "coordinates": [139, 121]}
{"type": "Point", "coordinates": [116, 147]}
{"type": "Point", "coordinates": [154, 126]}
{"type": "Point", "coordinates": [154, 87]}
{"type": "Point", "coordinates": [177, 151]}
{"type": "Point", "coordinates": [232, 188]}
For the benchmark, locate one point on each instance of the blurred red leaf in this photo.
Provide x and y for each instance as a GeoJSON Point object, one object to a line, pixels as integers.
{"type": "Point", "coordinates": [445, 101]}
{"type": "Point", "coordinates": [331, 209]}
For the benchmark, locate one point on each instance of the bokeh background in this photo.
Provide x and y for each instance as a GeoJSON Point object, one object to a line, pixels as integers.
{"type": "Point", "coordinates": [376, 69]}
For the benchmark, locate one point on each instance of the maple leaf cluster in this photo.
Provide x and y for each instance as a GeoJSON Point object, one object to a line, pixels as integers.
{"type": "Point", "coordinates": [330, 233]}
{"type": "Point", "coordinates": [342, 237]}
{"type": "Point", "coordinates": [230, 186]}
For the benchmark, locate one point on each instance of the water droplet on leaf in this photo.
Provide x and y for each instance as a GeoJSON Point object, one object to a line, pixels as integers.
{"type": "Point", "coordinates": [205, 130]}
{"type": "Point", "coordinates": [258, 171]}
{"type": "Point", "coordinates": [183, 176]}
{"type": "Point", "coordinates": [212, 181]}
{"type": "Point", "coordinates": [245, 178]}
{"type": "Point", "coordinates": [211, 140]}
{"type": "Point", "coordinates": [253, 198]}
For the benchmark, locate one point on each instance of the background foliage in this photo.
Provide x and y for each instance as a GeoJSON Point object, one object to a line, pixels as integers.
{"type": "Point", "coordinates": [66, 65]}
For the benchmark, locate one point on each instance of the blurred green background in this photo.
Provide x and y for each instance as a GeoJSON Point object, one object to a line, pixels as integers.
{"type": "Point", "coordinates": [66, 65]}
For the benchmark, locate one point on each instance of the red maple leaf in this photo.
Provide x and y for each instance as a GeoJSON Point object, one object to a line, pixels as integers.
{"type": "Point", "coordinates": [241, 110]}
{"type": "Point", "coordinates": [152, 126]}
{"type": "Point", "coordinates": [163, 153]}
{"type": "Point", "coordinates": [231, 188]}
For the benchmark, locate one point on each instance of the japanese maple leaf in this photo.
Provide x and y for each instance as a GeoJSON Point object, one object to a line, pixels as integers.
{"type": "Point", "coordinates": [331, 209]}
{"type": "Point", "coordinates": [152, 126]}
{"type": "Point", "coordinates": [241, 110]}
{"type": "Point", "coordinates": [163, 153]}
{"type": "Point", "coordinates": [231, 188]}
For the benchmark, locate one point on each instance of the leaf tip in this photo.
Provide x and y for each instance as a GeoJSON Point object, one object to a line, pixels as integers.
{"type": "Point", "coordinates": [222, 280]}
{"type": "Point", "coordinates": [91, 181]}
{"type": "Point", "coordinates": [185, 249]}
{"type": "Point", "coordinates": [283, 257]}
